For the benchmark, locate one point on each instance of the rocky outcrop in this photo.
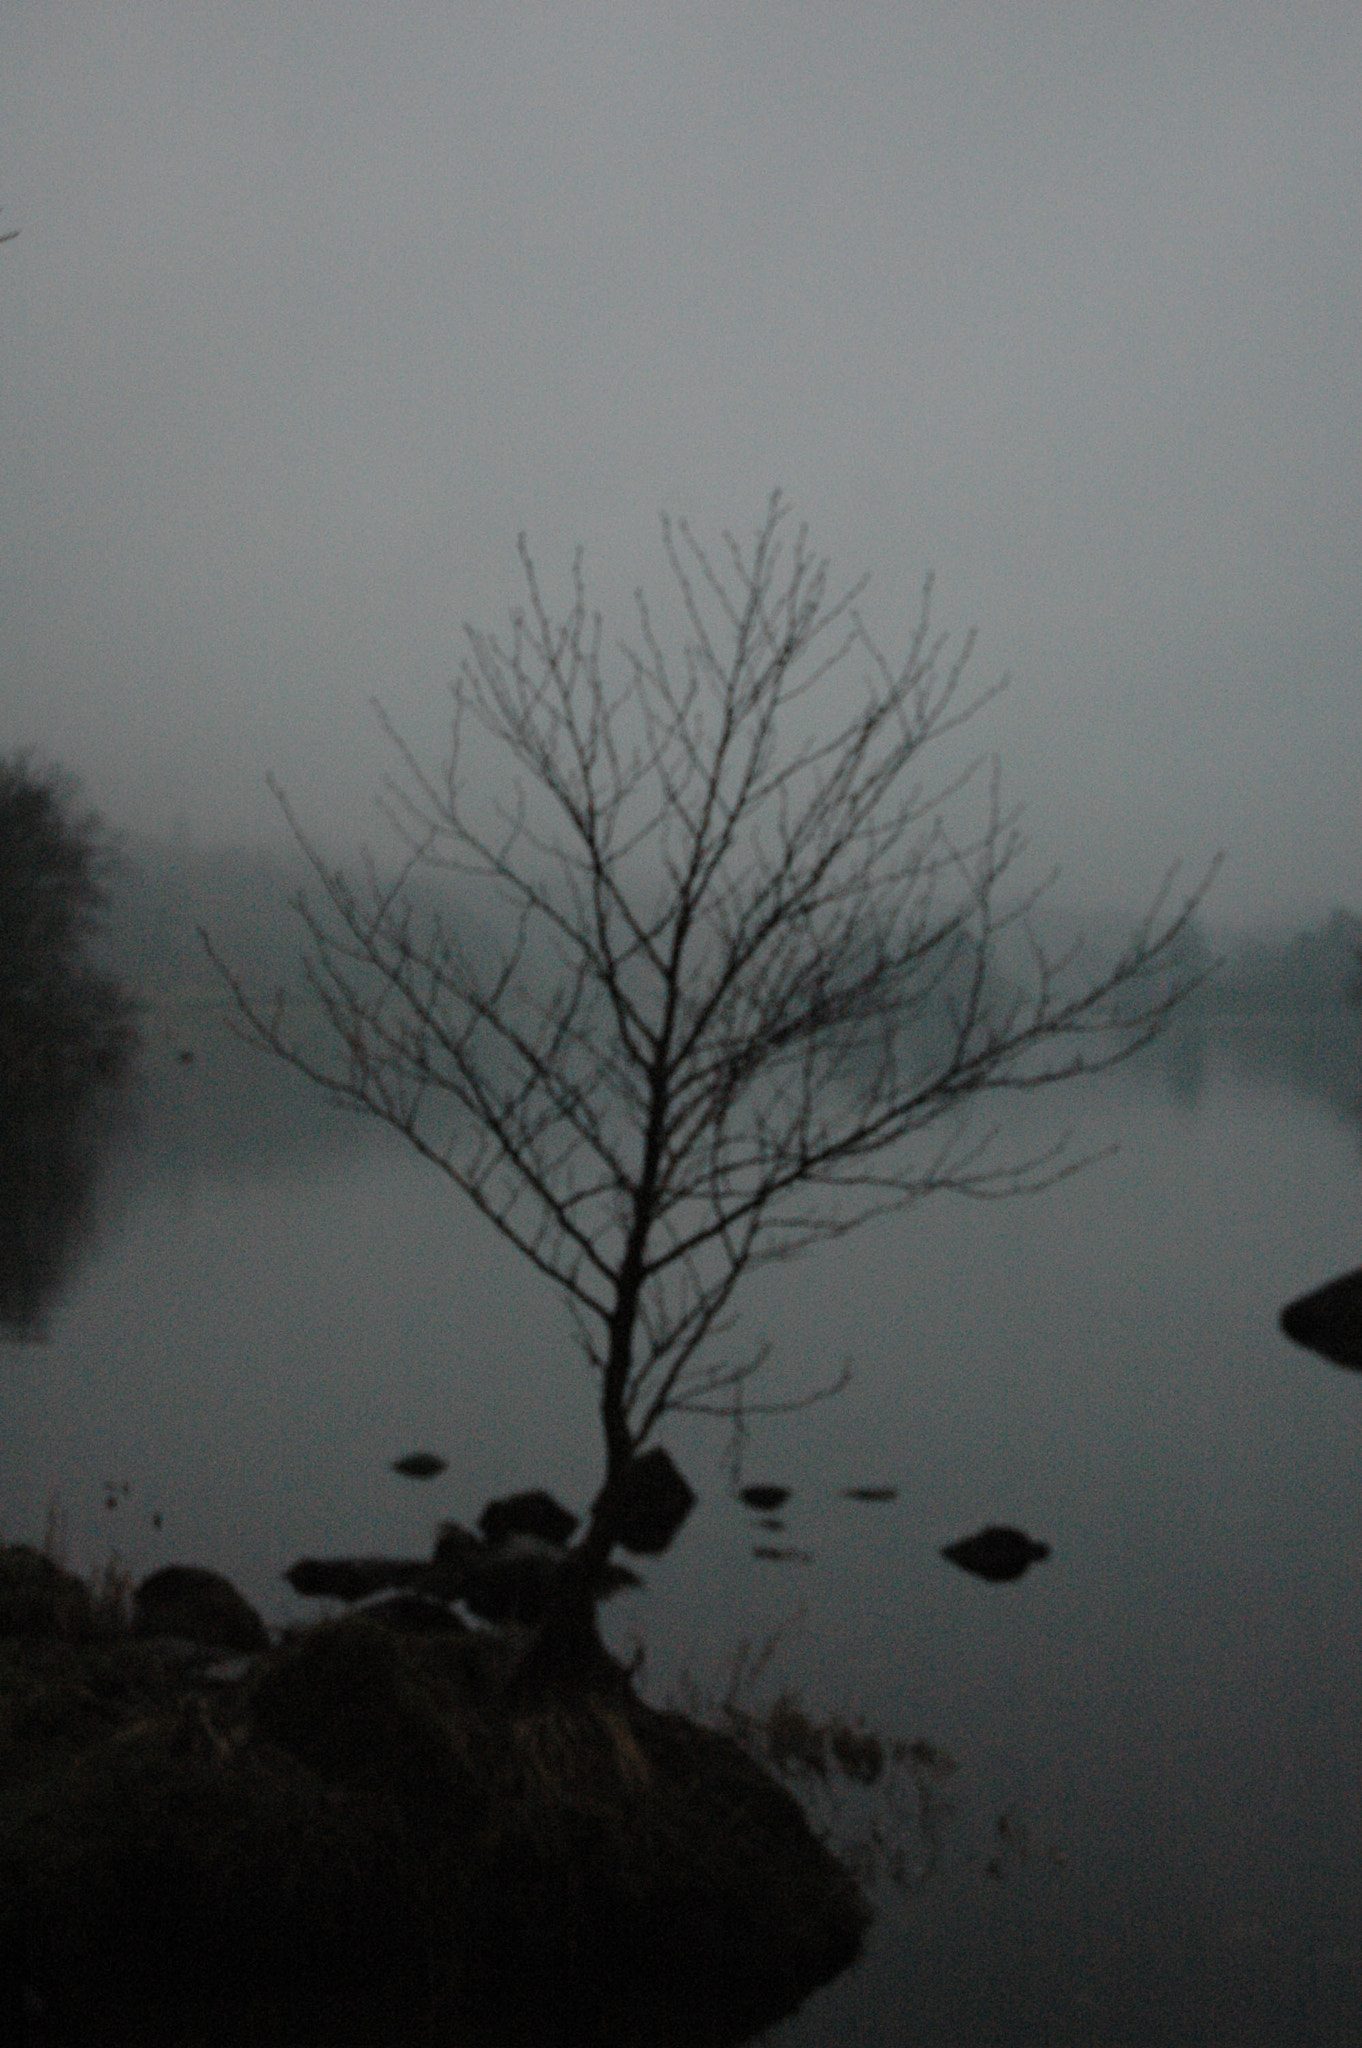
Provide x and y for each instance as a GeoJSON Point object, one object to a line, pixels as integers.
{"type": "Point", "coordinates": [506, 1573]}
{"type": "Point", "coordinates": [40, 1598]}
{"type": "Point", "coordinates": [190, 1601]}
{"type": "Point", "coordinates": [364, 1832]}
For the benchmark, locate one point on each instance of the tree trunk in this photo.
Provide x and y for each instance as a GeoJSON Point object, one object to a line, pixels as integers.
{"type": "Point", "coordinates": [566, 1653]}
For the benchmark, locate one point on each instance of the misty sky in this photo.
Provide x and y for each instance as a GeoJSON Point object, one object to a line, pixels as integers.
{"type": "Point", "coordinates": [314, 307]}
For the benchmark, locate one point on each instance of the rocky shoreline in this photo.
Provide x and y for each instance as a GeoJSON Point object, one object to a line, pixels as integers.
{"type": "Point", "coordinates": [362, 1820]}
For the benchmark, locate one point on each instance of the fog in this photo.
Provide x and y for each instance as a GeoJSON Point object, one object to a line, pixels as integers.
{"type": "Point", "coordinates": [312, 311]}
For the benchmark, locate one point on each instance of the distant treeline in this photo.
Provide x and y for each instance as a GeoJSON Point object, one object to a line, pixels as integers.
{"type": "Point", "coordinates": [1307, 973]}
{"type": "Point", "coordinates": [1289, 1005]}
{"type": "Point", "coordinates": [202, 1096]}
{"type": "Point", "coordinates": [165, 891]}
{"type": "Point", "coordinates": [1319, 969]}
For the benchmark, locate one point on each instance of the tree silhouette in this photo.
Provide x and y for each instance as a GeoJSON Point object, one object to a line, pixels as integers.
{"type": "Point", "coordinates": [748, 976]}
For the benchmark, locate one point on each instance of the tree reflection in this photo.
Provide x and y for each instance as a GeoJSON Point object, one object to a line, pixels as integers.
{"type": "Point", "coordinates": [66, 1036]}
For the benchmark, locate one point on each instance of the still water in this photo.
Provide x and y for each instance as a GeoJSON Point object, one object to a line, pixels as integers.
{"type": "Point", "coordinates": [1166, 1715]}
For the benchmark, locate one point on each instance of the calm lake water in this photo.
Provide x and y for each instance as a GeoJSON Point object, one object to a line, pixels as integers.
{"type": "Point", "coordinates": [1167, 1714]}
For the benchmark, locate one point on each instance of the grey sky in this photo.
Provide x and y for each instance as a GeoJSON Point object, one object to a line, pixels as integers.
{"type": "Point", "coordinates": [314, 307]}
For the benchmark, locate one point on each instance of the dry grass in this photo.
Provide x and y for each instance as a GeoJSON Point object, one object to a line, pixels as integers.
{"type": "Point", "coordinates": [580, 1752]}
{"type": "Point", "coordinates": [878, 1801]}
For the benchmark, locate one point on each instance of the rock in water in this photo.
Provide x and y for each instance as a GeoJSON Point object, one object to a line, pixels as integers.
{"type": "Point", "coordinates": [188, 1600]}
{"type": "Point", "coordinates": [650, 1501]}
{"type": "Point", "coordinates": [1329, 1321]}
{"type": "Point", "coordinates": [765, 1498]}
{"type": "Point", "coordinates": [996, 1554]}
{"type": "Point", "coordinates": [420, 1465]}
{"type": "Point", "coordinates": [455, 1544]}
{"type": "Point", "coordinates": [353, 1578]}
{"type": "Point", "coordinates": [513, 1581]}
{"type": "Point", "coordinates": [527, 1514]}
{"type": "Point", "coordinates": [509, 1580]}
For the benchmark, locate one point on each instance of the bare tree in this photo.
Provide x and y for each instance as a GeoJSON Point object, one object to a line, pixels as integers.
{"type": "Point", "coordinates": [751, 975]}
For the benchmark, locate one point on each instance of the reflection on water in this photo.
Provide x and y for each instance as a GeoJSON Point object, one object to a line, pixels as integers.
{"type": "Point", "coordinates": [66, 1034]}
{"type": "Point", "coordinates": [1169, 1706]}
{"type": "Point", "coordinates": [1316, 1056]}
{"type": "Point", "coordinates": [60, 1112]}
{"type": "Point", "coordinates": [49, 1156]}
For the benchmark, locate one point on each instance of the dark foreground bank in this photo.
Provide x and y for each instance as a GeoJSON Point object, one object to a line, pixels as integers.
{"type": "Point", "coordinates": [353, 1835]}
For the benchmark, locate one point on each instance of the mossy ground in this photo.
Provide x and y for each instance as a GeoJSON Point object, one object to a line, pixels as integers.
{"type": "Point", "coordinates": [360, 1824]}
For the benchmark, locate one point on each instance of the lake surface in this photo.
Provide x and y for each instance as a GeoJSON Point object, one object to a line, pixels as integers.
{"type": "Point", "coordinates": [1167, 1714]}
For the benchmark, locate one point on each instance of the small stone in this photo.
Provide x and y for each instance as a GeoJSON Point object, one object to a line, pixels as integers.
{"type": "Point", "coordinates": [420, 1465]}
{"type": "Point", "coordinates": [527, 1514]}
{"type": "Point", "coordinates": [766, 1498]}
